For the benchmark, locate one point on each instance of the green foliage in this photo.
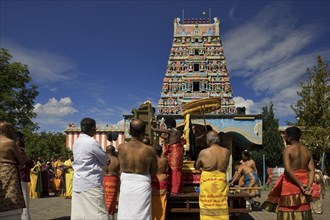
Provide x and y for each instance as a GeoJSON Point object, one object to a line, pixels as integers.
{"type": "Point", "coordinates": [16, 93]}
{"type": "Point", "coordinates": [272, 143]}
{"type": "Point", "coordinates": [313, 108]}
{"type": "Point", "coordinates": [46, 145]}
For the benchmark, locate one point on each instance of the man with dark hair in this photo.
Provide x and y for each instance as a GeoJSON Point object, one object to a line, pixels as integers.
{"type": "Point", "coordinates": [294, 133]}
{"type": "Point", "coordinates": [11, 197]}
{"type": "Point", "coordinates": [146, 140]}
{"type": "Point", "coordinates": [89, 159]}
{"type": "Point", "coordinates": [111, 180]}
{"type": "Point", "coordinates": [213, 161]}
{"type": "Point", "coordinates": [246, 159]}
{"type": "Point", "coordinates": [159, 186]}
{"type": "Point", "coordinates": [174, 150]}
{"type": "Point", "coordinates": [295, 185]}
{"type": "Point", "coordinates": [24, 172]}
{"type": "Point", "coordinates": [138, 162]}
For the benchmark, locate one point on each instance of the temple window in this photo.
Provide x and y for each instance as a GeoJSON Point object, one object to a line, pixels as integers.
{"type": "Point", "coordinates": [196, 67]}
{"type": "Point", "coordinates": [196, 52]}
{"type": "Point", "coordinates": [196, 86]}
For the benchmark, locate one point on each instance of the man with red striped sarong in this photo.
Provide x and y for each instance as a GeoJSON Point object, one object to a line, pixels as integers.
{"type": "Point", "coordinates": [111, 181]}
{"type": "Point", "coordinates": [159, 187]}
{"type": "Point", "coordinates": [291, 194]}
{"type": "Point", "coordinates": [174, 151]}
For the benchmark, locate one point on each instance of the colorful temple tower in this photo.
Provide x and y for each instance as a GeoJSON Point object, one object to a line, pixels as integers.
{"type": "Point", "coordinates": [196, 68]}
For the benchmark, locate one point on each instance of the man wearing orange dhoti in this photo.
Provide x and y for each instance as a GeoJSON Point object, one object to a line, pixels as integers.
{"type": "Point", "coordinates": [291, 194]}
{"type": "Point", "coordinates": [111, 181]}
{"type": "Point", "coordinates": [159, 187]}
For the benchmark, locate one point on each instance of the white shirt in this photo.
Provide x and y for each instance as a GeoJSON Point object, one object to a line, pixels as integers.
{"type": "Point", "coordinates": [89, 158]}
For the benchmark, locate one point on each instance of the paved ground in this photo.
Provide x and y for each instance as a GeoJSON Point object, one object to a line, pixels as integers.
{"type": "Point", "coordinates": [59, 208]}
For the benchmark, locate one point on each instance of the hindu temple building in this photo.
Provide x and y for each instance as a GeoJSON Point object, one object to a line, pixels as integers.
{"type": "Point", "coordinates": [196, 67]}
{"type": "Point", "coordinates": [72, 133]}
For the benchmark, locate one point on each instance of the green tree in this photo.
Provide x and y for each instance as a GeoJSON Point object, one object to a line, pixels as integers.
{"type": "Point", "coordinates": [17, 94]}
{"type": "Point", "coordinates": [313, 108]}
{"type": "Point", "coordinates": [46, 145]}
{"type": "Point", "coordinates": [272, 143]}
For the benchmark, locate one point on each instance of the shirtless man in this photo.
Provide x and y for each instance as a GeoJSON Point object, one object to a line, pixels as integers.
{"type": "Point", "coordinates": [241, 170]}
{"type": "Point", "coordinates": [296, 156]}
{"type": "Point", "coordinates": [111, 180]}
{"type": "Point", "coordinates": [162, 163]}
{"type": "Point", "coordinates": [159, 186]}
{"type": "Point", "coordinates": [246, 159]}
{"type": "Point", "coordinates": [213, 161]}
{"type": "Point", "coordinates": [137, 163]}
{"type": "Point", "coordinates": [174, 150]}
{"type": "Point", "coordinates": [295, 184]}
{"type": "Point", "coordinates": [10, 185]}
{"type": "Point", "coordinates": [113, 168]}
{"type": "Point", "coordinates": [173, 133]}
{"type": "Point", "coordinates": [299, 168]}
{"type": "Point", "coordinates": [215, 157]}
{"type": "Point", "coordinates": [250, 179]}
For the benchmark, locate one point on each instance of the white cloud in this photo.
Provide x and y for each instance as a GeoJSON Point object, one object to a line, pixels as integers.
{"type": "Point", "coordinates": [288, 73]}
{"type": "Point", "coordinates": [44, 66]}
{"type": "Point", "coordinates": [282, 101]}
{"type": "Point", "coordinates": [247, 103]}
{"type": "Point", "coordinates": [271, 52]}
{"type": "Point", "coordinates": [55, 108]}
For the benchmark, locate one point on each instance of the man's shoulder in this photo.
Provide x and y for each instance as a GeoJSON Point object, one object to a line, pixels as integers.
{"type": "Point", "coordinates": [205, 151]}
{"type": "Point", "coordinates": [7, 141]}
{"type": "Point", "coordinates": [224, 149]}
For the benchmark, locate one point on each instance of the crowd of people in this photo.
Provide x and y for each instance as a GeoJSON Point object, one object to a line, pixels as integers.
{"type": "Point", "coordinates": [23, 178]}
{"type": "Point", "coordinates": [141, 177]}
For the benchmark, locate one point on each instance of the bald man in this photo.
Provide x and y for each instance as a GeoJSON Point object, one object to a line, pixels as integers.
{"type": "Point", "coordinates": [138, 162]}
{"type": "Point", "coordinates": [213, 161]}
{"type": "Point", "coordinates": [11, 200]}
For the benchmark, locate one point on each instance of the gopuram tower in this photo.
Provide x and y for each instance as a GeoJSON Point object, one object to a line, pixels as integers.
{"type": "Point", "coordinates": [196, 68]}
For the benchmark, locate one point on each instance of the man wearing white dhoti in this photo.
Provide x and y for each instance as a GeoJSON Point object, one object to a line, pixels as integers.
{"type": "Point", "coordinates": [137, 162]}
{"type": "Point", "coordinates": [87, 190]}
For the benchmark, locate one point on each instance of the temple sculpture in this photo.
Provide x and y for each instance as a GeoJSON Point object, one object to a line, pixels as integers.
{"type": "Point", "coordinates": [196, 68]}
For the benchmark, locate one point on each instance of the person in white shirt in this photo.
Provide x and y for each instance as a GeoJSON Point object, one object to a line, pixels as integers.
{"type": "Point", "coordinates": [87, 190]}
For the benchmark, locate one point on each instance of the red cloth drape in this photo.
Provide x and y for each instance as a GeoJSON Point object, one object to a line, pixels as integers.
{"type": "Point", "coordinates": [175, 161]}
{"type": "Point", "coordinates": [110, 184]}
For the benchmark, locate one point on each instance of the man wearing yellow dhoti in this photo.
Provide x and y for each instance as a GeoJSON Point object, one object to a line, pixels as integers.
{"type": "Point", "coordinates": [213, 196]}
{"type": "Point", "coordinates": [68, 177]}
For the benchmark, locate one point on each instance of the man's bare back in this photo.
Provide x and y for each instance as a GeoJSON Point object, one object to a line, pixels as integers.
{"type": "Point", "coordinates": [162, 168]}
{"type": "Point", "coordinates": [113, 168]}
{"type": "Point", "coordinates": [136, 157]}
{"type": "Point", "coordinates": [213, 158]}
{"type": "Point", "coordinates": [296, 156]}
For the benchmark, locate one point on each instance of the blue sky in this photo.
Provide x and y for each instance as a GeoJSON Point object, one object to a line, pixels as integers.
{"type": "Point", "coordinates": [100, 59]}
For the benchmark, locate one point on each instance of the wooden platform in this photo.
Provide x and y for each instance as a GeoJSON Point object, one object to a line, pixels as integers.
{"type": "Point", "coordinates": [188, 203]}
